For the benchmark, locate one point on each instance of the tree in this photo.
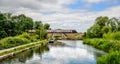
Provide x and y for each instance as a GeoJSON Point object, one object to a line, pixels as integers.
{"type": "Point", "coordinates": [114, 24]}
{"type": "Point", "coordinates": [47, 26]}
{"type": "Point", "coordinates": [106, 29]}
{"type": "Point", "coordinates": [37, 24]}
{"type": "Point", "coordinates": [11, 25]}
{"type": "Point", "coordinates": [101, 21]}
{"type": "Point", "coordinates": [99, 28]}
{"type": "Point", "coordinates": [41, 32]}
{"type": "Point", "coordinates": [94, 31]}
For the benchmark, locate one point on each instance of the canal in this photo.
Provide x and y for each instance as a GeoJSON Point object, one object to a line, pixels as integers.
{"type": "Point", "coordinates": [72, 52]}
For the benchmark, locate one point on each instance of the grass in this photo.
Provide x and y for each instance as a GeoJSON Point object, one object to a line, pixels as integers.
{"type": "Point", "coordinates": [103, 44]}
{"type": "Point", "coordinates": [112, 58]}
{"type": "Point", "coordinates": [22, 39]}
{"type": "Point", "coordinates": [107, 45]}
{"type": "Point", "coordinates": [23, 47]}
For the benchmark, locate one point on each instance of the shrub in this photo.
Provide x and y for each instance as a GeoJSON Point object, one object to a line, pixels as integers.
{"type": "Point", "coordinates": [12, 41]}
{"type": "Point", "coordinates": [25, 35]}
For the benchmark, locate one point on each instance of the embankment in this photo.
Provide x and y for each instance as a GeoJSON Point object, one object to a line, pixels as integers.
{"type": "Point", "coordinates": [16, 50]}
{"type": "Point", "coordinates": [110, 46]}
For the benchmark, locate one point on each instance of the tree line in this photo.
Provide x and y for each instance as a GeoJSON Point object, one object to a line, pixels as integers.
{"type": "Point", "coordinates": [12, 25]}
{"type": "Point", "coordinates": [103, 25]}
{"type": "Point", "coordinates": [105, 35]}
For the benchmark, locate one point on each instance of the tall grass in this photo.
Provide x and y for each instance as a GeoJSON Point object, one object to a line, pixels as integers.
{"type": "Point", "coordinates": [9, 42]}
{"type": "Point", "coordinates": [112, 58]}
{"type": "Point", "coordinates": [114, 35]}
{"type": "Point", "coordinates": [103, 44]}
{"type": "Point", "coordinates": [29, 45]}
{"type": "Point", "coordinates": [110, 46]}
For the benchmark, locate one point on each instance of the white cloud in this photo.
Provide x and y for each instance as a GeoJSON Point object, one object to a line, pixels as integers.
{"type": "Point", "coordinates": [61, 17]}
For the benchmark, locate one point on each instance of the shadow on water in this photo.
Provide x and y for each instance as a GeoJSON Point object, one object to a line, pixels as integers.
{"type": "Point", "coordinates": [27, 55]}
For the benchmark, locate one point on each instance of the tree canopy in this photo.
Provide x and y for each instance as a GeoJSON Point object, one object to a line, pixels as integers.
{"type": "Point", "coordinates": [102, 25]}
{"type": "Point", "coordinates": [11, 25]}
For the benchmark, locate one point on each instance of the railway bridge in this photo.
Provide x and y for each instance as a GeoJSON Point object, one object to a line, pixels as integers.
{"type": "Point", "coordinates": [64, 34]}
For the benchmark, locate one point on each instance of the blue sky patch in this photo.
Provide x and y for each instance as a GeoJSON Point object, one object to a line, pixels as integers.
{"type": "Point", "coordinates": [92, 6]}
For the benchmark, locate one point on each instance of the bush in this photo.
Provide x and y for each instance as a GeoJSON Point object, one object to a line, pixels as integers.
{"type": "Point", "coordinates": [112, 58]}
{"type": "Point", "coordinates": [31, 37]}
{"type": "Point", "coordinates": [115, 36]}
{"type": "Point", "coordinates": [25, 38]}
{"type": "Point", "coordinates": [12, 41]}
{"type": "Point", "coordinates": [25, 35]}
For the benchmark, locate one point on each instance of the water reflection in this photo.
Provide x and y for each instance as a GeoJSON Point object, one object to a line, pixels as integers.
{"type": "Point", "coordinates": [73, 52]}
{"type": "Point", "coordinates": [27, 55]}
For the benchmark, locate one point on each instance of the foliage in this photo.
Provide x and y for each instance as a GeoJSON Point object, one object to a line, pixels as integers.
{"type": "Point", "coordinates": [101, 21]}
{"type": "Point", "coordinates": [112, 58]}
{"type": "Point", "coordinates": [103, 44]}
{"type": "Point", "coordinates": [37, 24]}
{"type": "Point", "coordinates": [29, 45]}
{"type": "Point", "coordinates": [94, 31]}
{"type": "Point", "coordinates": [25, 38]}
{"type": "Point", "coordinates": [102, 26]}
{"type": "Point", "coordinates": [12, 25]}
{"type": "Point", "coordinates": [106, 36]}
{"type": "Point", "coordinates": [41, 32]}
{"type": "Point", "coordinates": [114, 35]}
{"type": "Point", "coordinates": [31, 37]}
{"type": "Point", "coordinates": [109, 46]}
{"type": "Point", "coordinates": [46, 26]}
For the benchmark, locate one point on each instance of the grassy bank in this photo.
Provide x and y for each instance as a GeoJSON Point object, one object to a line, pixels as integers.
{"type": "Point", "coordinates": [43, 42]}
{"type": "Point", "coordinates": [107, 45]}
{"type": "Point", "coordinates": [111, 58]}
{"type": "Point", "coordinates": [22, 39]}
{"type": "Point", "coordinates": [103, 44]}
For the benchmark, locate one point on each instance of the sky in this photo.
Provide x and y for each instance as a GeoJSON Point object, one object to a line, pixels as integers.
{"type": "Point", "coordinates": [63, 14]}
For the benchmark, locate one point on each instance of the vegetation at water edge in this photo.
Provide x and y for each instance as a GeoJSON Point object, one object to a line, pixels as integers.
{"type": "Point", "coordinates": [105, 35]}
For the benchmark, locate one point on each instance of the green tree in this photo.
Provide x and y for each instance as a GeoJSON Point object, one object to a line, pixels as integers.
{"type": "Point", "coordinates": [101, 21]}
{"type": "Point", "coordinates": [114, 24]}
{"type": "Point", "coordinates": [37, 24]}
{"type": "Point", "coordinates": [41, 32]}
{"type": "Point", "coordinates": [46, 26]}
{"type": "Point", "coordinates": [106, 29]}
{"type": "Point", "coordinates": [11, 25]}
{"type": "Point", "coordinates": [94, 32]}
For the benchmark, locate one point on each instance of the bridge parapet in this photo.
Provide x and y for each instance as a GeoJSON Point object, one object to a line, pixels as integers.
{"type": "Point", "coordinates": [70, 36]}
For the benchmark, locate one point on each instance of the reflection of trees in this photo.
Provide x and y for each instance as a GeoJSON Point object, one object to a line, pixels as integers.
{"type": "Point", "coordinates": [24, 56]}
{"type": "Point", "coordinates": [19, 58]}
{"type": "Point", "coordinates": [41, 50]}
{"type": "Point", "coordinates": [93, 51]}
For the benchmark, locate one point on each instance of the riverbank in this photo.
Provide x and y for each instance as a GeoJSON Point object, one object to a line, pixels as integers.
{"type": "Point", "coordinates": [110, 46]}
{"type": "Point", "coordinates": [16, 50]}
{"type": "Point", "coordinates": [73, 52]}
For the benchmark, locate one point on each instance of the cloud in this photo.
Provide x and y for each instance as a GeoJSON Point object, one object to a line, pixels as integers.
{"type": "Point", "coordinates": [99, 1]}
{"type": "Point", "coordinates": [93, 1]}
{"type": "Point", "coordinates": [55, 12]}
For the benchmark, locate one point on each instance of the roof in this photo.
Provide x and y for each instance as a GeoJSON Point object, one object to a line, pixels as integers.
{"type": "Point", "coordinates": [61, 31]}
{"type": "Point", "coordinates": [31, 31]}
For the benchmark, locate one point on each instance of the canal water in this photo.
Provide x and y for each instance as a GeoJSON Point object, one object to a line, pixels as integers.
{"type": "Point", "coordinates": [72, 52]}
